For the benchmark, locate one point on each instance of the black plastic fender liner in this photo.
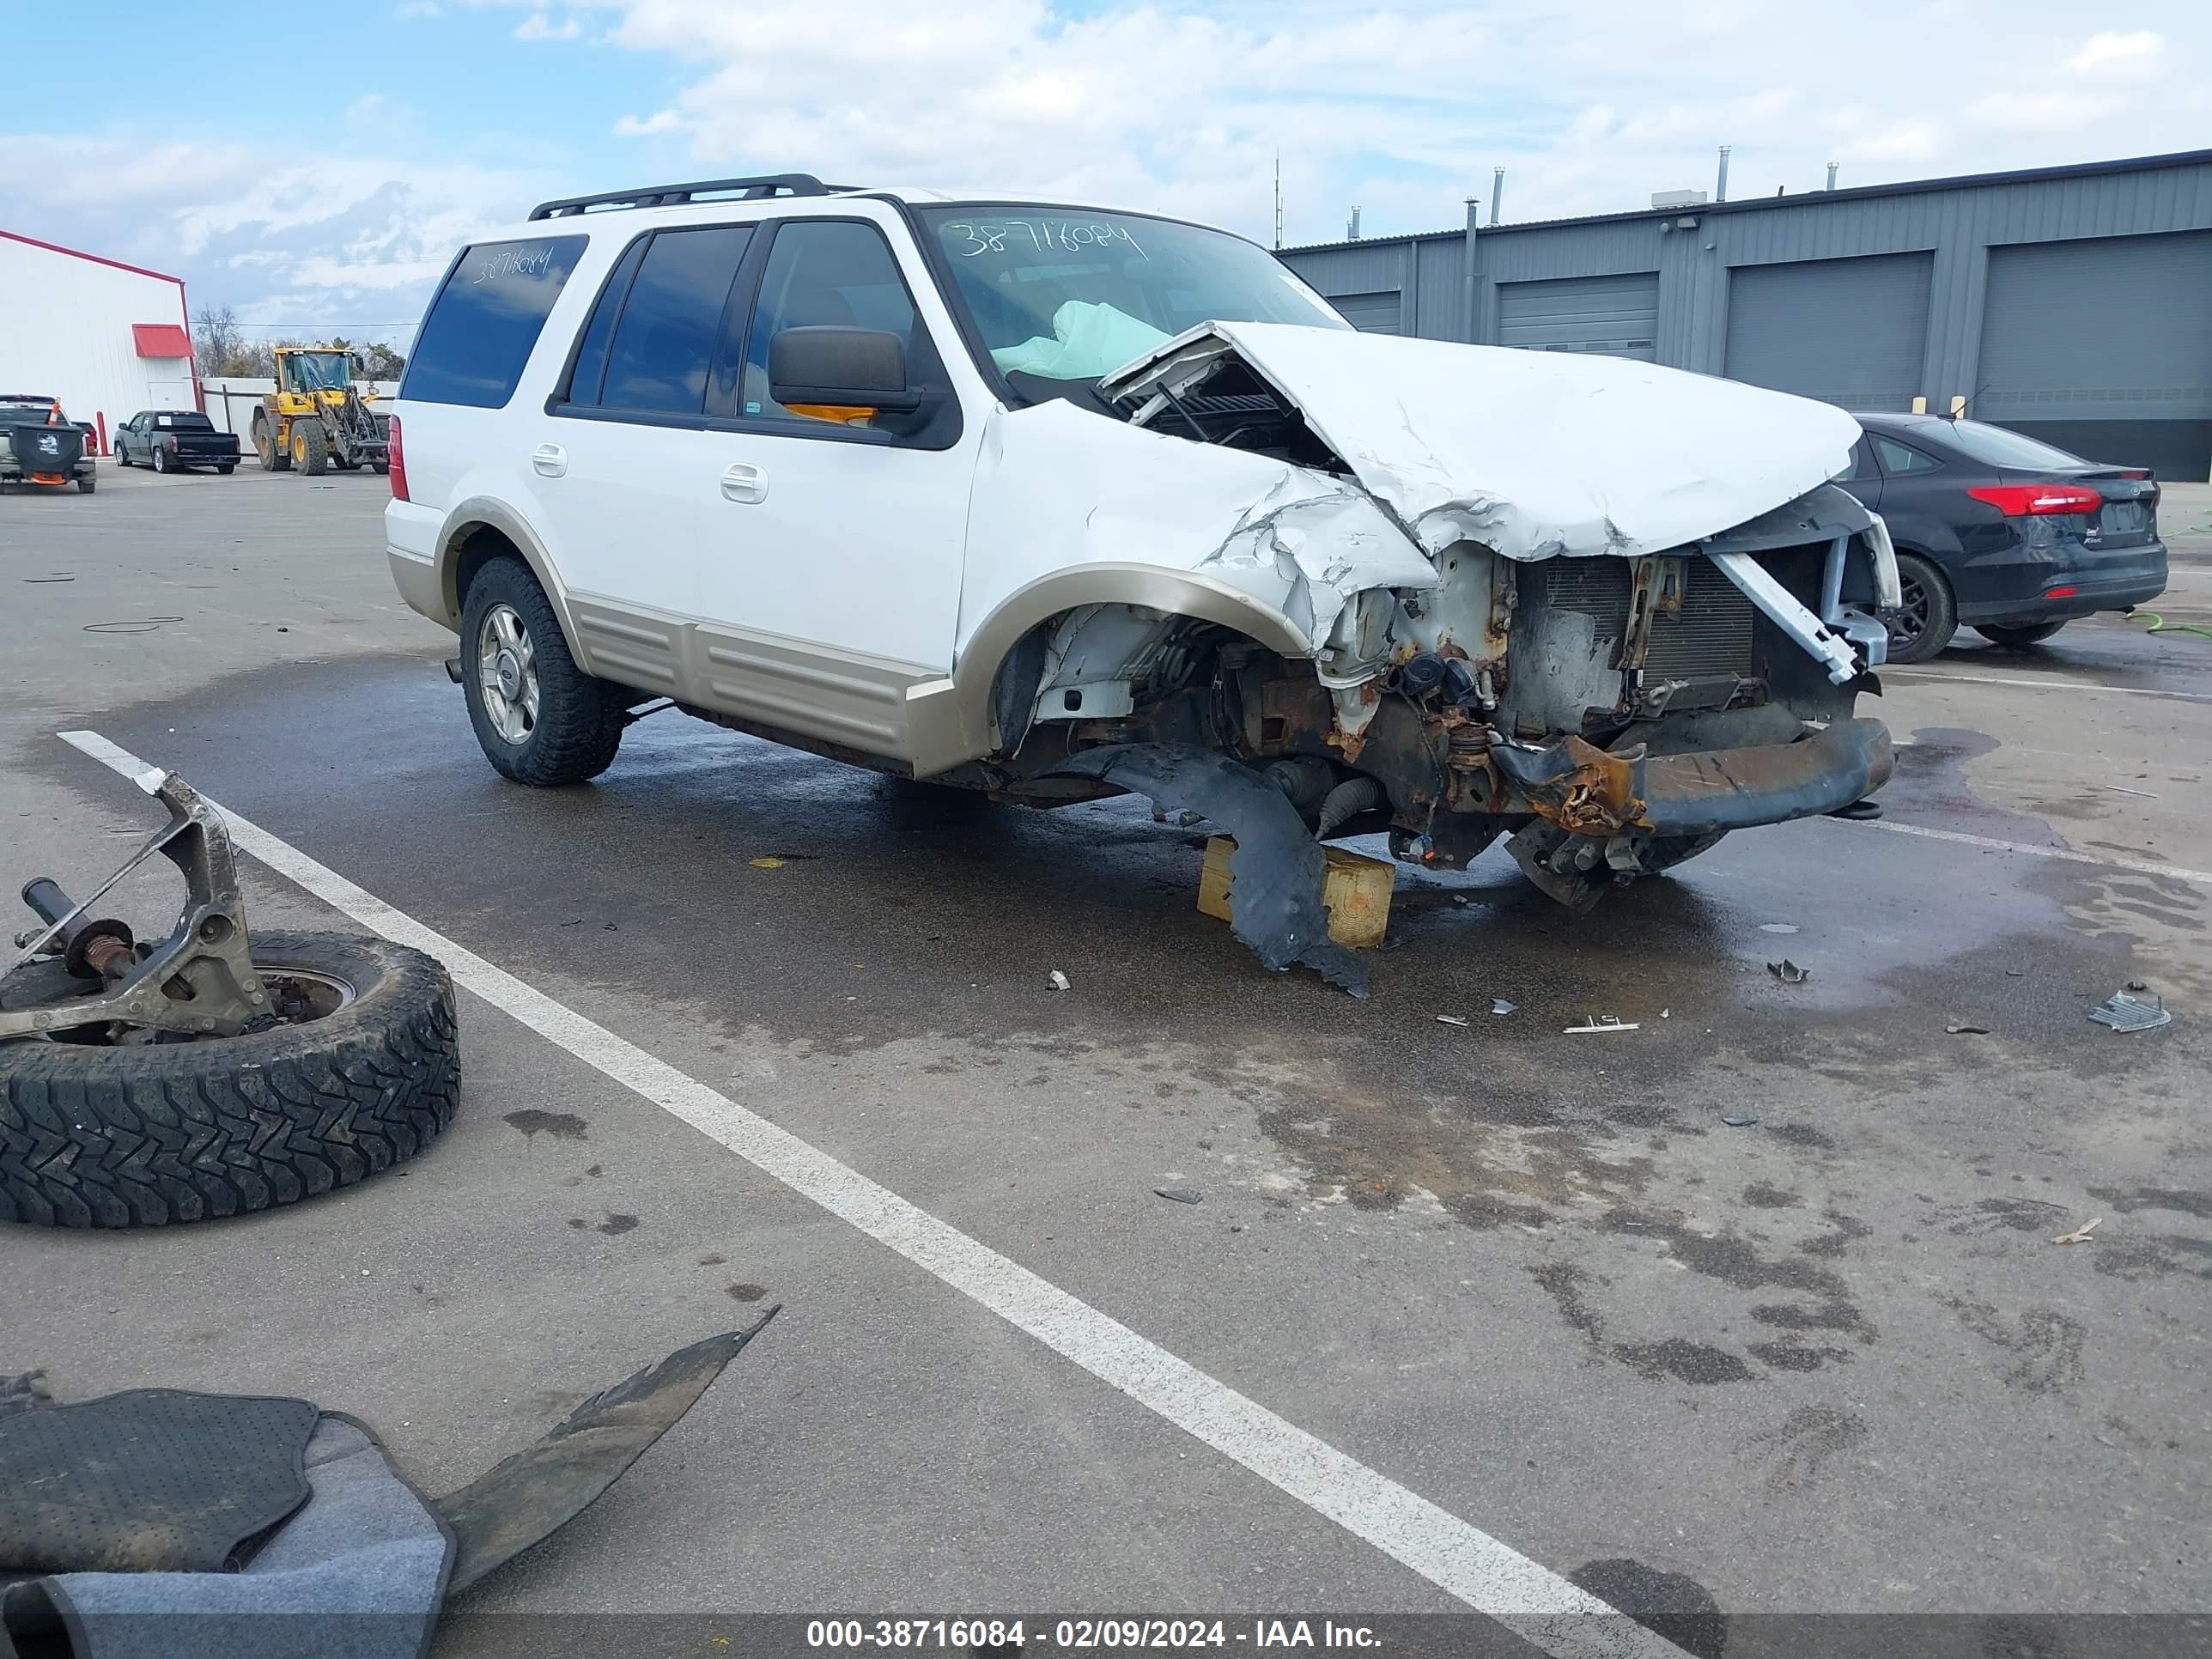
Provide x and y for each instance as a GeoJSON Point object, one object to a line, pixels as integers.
{"type": "Point", "coordinates": [545, 1486]}
{"type": "Point", "coordinates": [1277, 869]}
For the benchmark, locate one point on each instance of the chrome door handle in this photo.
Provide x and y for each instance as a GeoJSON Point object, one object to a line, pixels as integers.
{"type": "Point", "coordinates": [744, 482]}
{"type": "Point", "coordinates": [548, 460]}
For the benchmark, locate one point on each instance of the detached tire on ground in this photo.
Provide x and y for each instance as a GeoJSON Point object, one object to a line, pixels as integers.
{"type": "Point", "coordinates": [141, 1135]}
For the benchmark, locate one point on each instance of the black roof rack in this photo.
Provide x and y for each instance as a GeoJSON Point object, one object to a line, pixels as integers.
{"type": "Point", "coordinates": [745, 190]}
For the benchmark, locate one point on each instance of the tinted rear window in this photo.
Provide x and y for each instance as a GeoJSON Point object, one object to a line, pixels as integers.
{"type": "Point", "coordinates": [1999, 448]}
{"type": "Point", "coordinates": [485, 320]}
{"type": "Point", "coordinates": [184, 423]}
{"type": "Point", "coordinates": [665, 344]}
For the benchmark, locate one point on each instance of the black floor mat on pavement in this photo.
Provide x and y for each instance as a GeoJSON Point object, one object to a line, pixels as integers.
{"type": "Point", "coordinates": [152, 1480]}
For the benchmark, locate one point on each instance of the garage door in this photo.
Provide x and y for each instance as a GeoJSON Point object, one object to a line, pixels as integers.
{"type": "Point", "coordinates": [1618, 316]}
{"type": "Point", "coordinates": [1370, 314]}
{"type": "Point", "coordinates": [1849, 331]}
{"type": "Point", "coordinates": [2115, 329]}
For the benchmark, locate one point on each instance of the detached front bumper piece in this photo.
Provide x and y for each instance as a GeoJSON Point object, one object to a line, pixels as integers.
{"type": "Point", "coordinates": [1588, 792]}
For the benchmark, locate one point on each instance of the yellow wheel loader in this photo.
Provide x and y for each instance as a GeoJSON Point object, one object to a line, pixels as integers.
{"type": "Point", "coordinates": [316, 419]}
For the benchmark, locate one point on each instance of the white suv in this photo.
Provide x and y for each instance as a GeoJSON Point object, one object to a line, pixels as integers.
{"type": "Point", "coordinates": [1055, 501]}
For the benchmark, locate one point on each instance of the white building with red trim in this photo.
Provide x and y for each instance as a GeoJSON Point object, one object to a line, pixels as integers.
{"type": "Point", "coordinates": [106, 339]}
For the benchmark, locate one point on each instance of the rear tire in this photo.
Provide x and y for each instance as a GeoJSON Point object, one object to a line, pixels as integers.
{"type": "Point", "coordinates": [2033, 634]}
{"type": "Point", "coordinates": [1929, 617]}
{"type": "Point", "coordinates": [275, 457]}
{"type": "Point", "coordinates": [160, 461]}
{"type": "Point", "coordinates": [545, 723]}
{"type": "Point", "coordinates": [226, 467]}
{"type": "Point", "coordinates": [87, 483]}
{"type": "Point", "coordinates": [139, 1136]}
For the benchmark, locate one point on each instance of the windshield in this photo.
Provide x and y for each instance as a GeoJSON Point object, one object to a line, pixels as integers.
{"type": "Point", "coordinates": [1999, 448]}
{"type": "Point", "coordinates": [320, 371]}
{"type": "Point", "coordinates": [1071, 295]}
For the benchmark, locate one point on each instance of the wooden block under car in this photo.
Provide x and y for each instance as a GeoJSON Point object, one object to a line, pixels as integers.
{"type": "Point", "coordinates": [1355, 889]}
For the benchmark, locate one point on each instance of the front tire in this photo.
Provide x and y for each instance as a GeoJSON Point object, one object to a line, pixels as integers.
{"type": "Point", "coordinates": [1929, 617]}
{"type": "Point", "coordinates": [142, 1135]}
{"type": "Point", "coordinates": [2032, 634]}
{"type": "Point", "coordinates": [539, 719]}
{"type": "Point", "coordinates": [122, 455]}
{"type": "Point", "coordinates": [311, 450]}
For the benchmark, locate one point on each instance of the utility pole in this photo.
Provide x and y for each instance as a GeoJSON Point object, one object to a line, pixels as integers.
{"type": "Point", "coordinates": [1720, 184]}
{"type": "Point", "coordinates": [1279, 198]}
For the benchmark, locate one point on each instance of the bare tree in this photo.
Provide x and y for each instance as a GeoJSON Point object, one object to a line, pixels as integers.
{"type": "Point", "coordinates": [217, 341]}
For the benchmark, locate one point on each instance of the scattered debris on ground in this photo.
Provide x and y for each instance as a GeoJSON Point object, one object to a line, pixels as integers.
{"type": "Point", "coordinates": [1500, 1005]}
{"type": "Point", "coordinates": [1059, 980]}
{"type": "Point", "coordinates": [1179, 1194]}
{"type": "Point", "coordinates": [1777, 927]}
{"type": "Point", "coordinates": [2123, 1010]}
{"type": "Point", "coordinates": [1789, 972]}
{"type": "Point", "coordinates": [1738, 1120]}
{"type": "Point", "coordinates": [1606, 1022]}
{"type": "Point", "coordinates": [1451, 1019]}
{"type": "Point", "coordinates": [2081, 1234]}
{"type": "Point", "coordinates": [1955, 1028]}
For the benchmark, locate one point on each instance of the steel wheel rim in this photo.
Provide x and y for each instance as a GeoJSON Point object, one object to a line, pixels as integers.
{"type": "Point", "coordinates": [507, 674]}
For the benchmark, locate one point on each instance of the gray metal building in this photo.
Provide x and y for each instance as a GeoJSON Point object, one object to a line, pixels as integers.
{"type": "Point", "coordinates": [2074, 303]}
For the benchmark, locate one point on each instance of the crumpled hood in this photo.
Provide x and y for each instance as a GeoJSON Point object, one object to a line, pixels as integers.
{"type": "Point", "coordinates": [1535, 454]}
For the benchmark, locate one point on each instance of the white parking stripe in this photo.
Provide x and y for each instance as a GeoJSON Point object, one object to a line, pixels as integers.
{"type": "Point", "coordinates": [2052, 683]}
{"type": "Point", "coordinates": [2141, 867]}
{"type": "Point", "coordinates": [1490, 1577]}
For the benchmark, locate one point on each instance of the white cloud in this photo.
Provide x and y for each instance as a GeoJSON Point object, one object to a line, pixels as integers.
{"type": "Point", "coordinates": [1402, 105]}
{"type": "Point", "coordinates": [539, 27]}
{"type": "Point", "coordinates": [2112, 48]}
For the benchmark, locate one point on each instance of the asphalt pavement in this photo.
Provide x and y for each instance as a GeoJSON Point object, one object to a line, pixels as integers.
{"type": "Point", "coordinates": [1758, 1300]}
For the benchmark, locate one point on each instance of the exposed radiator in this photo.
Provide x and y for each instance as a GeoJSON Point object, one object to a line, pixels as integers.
{"type": "Point", "coordinates": [1711, 634]}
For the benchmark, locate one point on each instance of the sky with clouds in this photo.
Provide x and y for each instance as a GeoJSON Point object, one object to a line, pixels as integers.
{"type": "Point", "coordinates": [317, 178]}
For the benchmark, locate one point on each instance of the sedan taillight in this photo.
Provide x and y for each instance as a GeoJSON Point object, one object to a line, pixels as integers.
{"type": "Point", "coordinates": [2037, 501]}
{"type": "Point", "coordinates": [398, 464]}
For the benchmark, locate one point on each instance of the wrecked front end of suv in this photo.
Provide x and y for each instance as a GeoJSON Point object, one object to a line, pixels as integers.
{"type": "Point", "coordinates": [1609, 611]}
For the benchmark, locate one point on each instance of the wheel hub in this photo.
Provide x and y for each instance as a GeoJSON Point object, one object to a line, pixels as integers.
{"type": "Point", "coordinates": [510, 675]}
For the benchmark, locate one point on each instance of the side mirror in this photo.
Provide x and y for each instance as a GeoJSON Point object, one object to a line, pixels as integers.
{"type": "Point", "coordinates": [840, 368]}
{"type": "Point", "coordinates": [360, 364]}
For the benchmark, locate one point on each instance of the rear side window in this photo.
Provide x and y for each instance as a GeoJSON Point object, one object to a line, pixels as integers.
{"type": "Point", "coordinates": [663, 346]}
{"type": "Point", "coordinates": [1999, 448]}
{"type": "Point", "coordinates": [590, 369]}
{"type": "Point", "coordinates": [485, 320]}
{"type": "Point", "coordinates": [1901, 458]}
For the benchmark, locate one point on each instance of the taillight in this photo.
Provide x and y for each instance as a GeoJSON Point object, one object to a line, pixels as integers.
{"type": "Point", "coordinates": [2037, 501]}
{"type": "Point", "coordinates": [398, 464]}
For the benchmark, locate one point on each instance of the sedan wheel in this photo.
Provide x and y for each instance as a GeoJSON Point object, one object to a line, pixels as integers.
{"type": "Point", "coordinates": [1928, 618]}
{"type": "Point", "coordinates": [507, 674]}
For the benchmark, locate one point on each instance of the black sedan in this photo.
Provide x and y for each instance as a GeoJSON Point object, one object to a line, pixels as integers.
{"type": "Point", "coordinates": [2002, 532]}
